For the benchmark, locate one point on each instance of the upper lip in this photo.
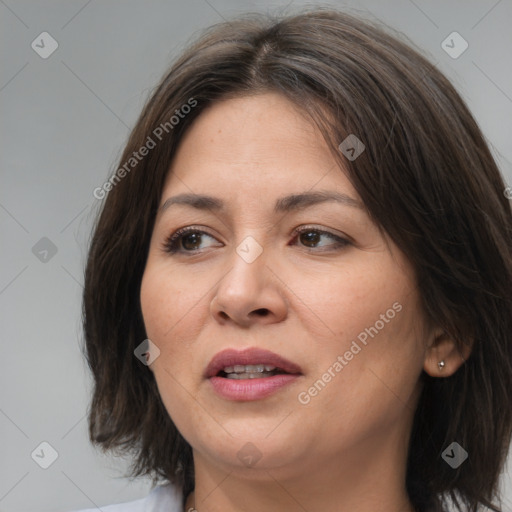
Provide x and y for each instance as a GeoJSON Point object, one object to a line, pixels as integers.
{"type": "Point", "coordinates": [253, 356]}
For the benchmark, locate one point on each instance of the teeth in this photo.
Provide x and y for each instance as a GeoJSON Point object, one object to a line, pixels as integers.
{"type": "Point", "coordinates": [249, 375]}
{"type": "Point", "coordinates": [248, 368]}
{"type": "Point", "coordinates": [249, 371]}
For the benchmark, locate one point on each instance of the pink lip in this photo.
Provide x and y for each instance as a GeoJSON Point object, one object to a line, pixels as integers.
{"type": "Point", "coordinates": [250, 389]}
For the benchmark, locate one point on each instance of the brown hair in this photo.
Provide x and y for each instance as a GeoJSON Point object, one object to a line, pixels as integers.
{"type": "Point", "coordinates": [427, 179]}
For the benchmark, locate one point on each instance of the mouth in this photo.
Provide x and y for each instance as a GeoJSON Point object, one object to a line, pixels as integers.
{"type": "Point", "coordinates": [251, 374]}
{"type": "Point", "coordinates": [252, 363]}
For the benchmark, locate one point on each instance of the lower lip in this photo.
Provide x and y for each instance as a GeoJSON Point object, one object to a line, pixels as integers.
{"type": "Point", "coordinates": [250, 389]}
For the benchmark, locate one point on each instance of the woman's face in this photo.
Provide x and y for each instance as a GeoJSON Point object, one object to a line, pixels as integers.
{"type": "Point", "coordinates": [335, 302]}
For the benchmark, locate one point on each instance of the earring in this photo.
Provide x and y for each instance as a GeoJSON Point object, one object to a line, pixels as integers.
{"type": "Point", "coordinates": [441, 365]}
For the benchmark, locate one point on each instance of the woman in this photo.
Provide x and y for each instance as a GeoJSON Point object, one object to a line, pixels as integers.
{"type": "Point", "coordinates": [298, 292]}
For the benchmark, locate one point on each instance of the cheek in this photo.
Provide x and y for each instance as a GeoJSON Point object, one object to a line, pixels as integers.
{"type": "Point", "coordinates": [352, 300]}
{"type": "Point", "coordinates": [170, 304]}
{"type": "Point", "coordinates": [169, 321]}
{"type": "Point", "coordinates": [153, 302]}
{"type": "Point", "coordinates": [375, 323]}
{"type": "Point", "coordinates": [381, 360]}
{"type": "Point", "coordinates": [358, 389]}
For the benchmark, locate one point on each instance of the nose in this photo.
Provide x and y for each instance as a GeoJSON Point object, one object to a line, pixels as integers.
{"type": "Point", "coordinates": [249, 293]}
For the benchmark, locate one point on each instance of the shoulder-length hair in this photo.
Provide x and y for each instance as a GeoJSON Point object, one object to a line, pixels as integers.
{"type": "Point", "coordinates": [427, 179]}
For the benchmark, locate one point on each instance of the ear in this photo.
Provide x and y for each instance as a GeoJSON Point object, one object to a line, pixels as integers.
{"type": "Point", "coordinates": [443, 349]}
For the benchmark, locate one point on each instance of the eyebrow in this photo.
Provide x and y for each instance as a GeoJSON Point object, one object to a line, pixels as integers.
{"type": "Point", "coordinates": [293, 202]}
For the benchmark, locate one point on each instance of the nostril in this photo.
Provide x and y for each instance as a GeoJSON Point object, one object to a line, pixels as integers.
{"type": "Point", "coordinates": [262, 312]}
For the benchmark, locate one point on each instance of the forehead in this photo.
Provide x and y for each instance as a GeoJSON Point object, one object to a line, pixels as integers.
{"type": "Point", "coordinates": [254, 146]}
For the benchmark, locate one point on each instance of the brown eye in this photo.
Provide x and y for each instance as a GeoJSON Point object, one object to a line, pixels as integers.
{"type": "Point", "coordinates": [311, 238]}
{"type": "Point", "coordinates": [186, 240]}
{"type": "Point", "coordinates": [191, 241]}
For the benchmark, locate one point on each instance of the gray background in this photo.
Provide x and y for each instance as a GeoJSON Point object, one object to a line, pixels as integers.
{"type": "Point", "coordinates": [63, 123]}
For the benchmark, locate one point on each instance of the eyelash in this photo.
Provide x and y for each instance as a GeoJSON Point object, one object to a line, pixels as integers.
{"type": "Point", "coordinates": [172, 241]}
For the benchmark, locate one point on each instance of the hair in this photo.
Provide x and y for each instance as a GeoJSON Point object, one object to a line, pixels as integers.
{"type": "Point", "coordinates": [427, 179]}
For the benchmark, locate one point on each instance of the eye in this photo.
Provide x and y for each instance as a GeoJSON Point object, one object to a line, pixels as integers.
{"type": "Point", "coordinates": [185, 240]}
{"type": "Point", "coordinates": [311, 237]}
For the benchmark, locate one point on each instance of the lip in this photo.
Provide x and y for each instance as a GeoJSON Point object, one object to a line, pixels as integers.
{"type": "Point", "coordinates": [250, 389]}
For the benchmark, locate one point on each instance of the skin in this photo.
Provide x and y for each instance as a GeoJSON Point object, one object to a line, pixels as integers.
{"type": "Point", "coordinates": [344, 450]}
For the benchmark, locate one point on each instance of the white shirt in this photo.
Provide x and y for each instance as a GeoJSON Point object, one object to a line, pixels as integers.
{"type": "Point", "coordinates": [165, 498]}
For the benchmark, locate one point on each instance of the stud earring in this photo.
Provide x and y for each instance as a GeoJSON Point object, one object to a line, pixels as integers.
{"type": "Point", "coordinates": [441, 365]}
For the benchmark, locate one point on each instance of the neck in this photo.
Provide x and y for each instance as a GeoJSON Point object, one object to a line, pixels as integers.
{"type": "Point", "coordinates": [358, 480]}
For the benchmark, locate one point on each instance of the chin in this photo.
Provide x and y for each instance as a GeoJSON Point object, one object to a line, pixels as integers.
{"type": "Point", "coordinates": [248, 449]}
